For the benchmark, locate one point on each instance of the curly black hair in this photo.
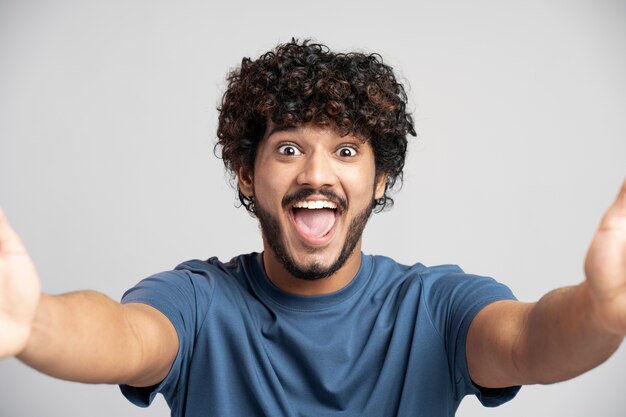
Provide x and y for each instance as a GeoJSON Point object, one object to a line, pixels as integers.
{"type": "Point", "coordinates": [303, 82]}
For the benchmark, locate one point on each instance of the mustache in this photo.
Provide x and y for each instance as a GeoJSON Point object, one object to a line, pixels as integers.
{"type": "Point", "coordinates": [303, 193]}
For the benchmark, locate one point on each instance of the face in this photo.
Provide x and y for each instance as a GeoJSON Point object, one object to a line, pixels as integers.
{"type": "Point", "coordinates": [313, 193]}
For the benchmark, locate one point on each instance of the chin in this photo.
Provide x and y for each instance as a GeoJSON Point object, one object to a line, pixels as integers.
{"type": "Point", "coordinates": [312, 271]}
{"type": "Point", "coordinates": [320, 264]}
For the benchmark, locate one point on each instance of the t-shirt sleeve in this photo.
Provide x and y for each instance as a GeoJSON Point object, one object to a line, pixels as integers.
{"type": "Point", "coordinates": [183, 298]}
{"type": "Point", "coordinates": [454, 299]}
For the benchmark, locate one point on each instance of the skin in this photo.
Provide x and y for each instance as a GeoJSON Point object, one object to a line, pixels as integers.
{"type": "Point", "coordinates": [569, 330]}
{"type": "Point", "coordinates": [83, 336]}
{"type": "Point", "coordinates": [87, 337]}
{"type": "Point", "coordinates": [315, 158]}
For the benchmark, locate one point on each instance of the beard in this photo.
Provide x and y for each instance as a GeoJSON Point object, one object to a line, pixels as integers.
{"type": "Point", "coordinates": [273, 233]}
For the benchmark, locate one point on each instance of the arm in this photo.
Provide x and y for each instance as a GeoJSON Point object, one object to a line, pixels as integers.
{"type": "Point", "coordinates": [568, 331]}
{"type": "Point", "coordinates": [83, 336]}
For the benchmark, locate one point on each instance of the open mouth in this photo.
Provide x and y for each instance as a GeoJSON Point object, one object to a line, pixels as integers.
{"type": "Point", "coordinates": [314, 219]}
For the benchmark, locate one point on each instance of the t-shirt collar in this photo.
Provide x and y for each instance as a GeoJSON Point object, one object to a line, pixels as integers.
{"type": "Point", "coordinates": [267, 290]}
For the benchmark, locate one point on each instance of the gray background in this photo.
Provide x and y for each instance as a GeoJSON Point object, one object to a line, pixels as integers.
{"type": "Point", "coordinates": [107, 122]}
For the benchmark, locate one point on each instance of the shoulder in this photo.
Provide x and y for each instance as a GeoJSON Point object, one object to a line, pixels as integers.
{"type": "Point", "coordinates": [436, 284]}
{"type": "Point", "coordinates": [192, 279]}
{"type": "Point", "coordinates": [213, 266]}
{"type": "Point", "coordinates": [389, 270]}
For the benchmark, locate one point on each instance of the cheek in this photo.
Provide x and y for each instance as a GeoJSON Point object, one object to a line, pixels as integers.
{"type": "Point", "coordinates": [270, 189]}
{"type": "Point", "coordinates": [359, 183]}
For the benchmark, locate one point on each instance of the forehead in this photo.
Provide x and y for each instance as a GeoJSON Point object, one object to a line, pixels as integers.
{"type": "Point", "coordinates": [310, 129]}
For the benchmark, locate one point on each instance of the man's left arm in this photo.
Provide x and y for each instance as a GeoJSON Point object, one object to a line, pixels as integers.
{"type": "Point", "coordinates": [568, 331]}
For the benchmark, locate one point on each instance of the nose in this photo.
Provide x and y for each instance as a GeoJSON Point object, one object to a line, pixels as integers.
{"type": "Point", "coordinates": [317, 171]}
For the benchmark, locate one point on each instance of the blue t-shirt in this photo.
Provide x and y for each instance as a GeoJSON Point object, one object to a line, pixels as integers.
{"type": "Point", "coordinates": [390, 343]}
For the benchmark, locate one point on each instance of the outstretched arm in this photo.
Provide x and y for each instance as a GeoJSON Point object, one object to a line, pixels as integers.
{"type": "Point", "coordinates": [568, 331]}
{"type": "Point", "coordinates": [83, 336]}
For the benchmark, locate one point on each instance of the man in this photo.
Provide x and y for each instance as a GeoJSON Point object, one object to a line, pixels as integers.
{"type": "Point", "coordinates": [311, 326]}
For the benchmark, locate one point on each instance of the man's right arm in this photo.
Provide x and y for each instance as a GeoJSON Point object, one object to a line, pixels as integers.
{"type": "Point", "coordinates": [87, 337]}
{"type": "Point", "coordinates": [83, 336]}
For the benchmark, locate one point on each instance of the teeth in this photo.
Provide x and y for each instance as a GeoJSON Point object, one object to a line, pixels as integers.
{"type": "Point", "coordinates": [315, 204]}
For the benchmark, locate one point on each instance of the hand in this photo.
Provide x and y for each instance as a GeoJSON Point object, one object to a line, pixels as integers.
{"type": "Point", "coordinates": [605, 267]}
{"type": "Point", "coordinates": [20, 291]}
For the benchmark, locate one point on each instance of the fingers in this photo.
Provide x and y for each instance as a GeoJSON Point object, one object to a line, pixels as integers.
{"type": "Point", "coordinates": [614, 218]}
{"type": "Point", "coordinates": [9, 240]}
{"type": "Point", "coordinates": [620, 200]}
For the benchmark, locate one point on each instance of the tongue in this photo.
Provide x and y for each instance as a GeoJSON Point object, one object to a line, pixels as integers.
{"type": "Point", "coordinates": [314, 223]}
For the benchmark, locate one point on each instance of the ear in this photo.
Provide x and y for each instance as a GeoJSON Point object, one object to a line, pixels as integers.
{"type": "Point", "coordinates": [380, 186]}
{"type": "Point", "coordinates": [245, 182]}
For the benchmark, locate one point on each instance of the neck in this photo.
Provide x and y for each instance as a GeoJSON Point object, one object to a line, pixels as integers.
{"type": "Point", "coordinates": [282, 279]}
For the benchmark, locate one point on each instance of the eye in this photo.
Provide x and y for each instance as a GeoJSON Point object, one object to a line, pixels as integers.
{"type": "Point", "coordinates": [346, 152]}
{"type": "Point", "coordinates": [289, 150]}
